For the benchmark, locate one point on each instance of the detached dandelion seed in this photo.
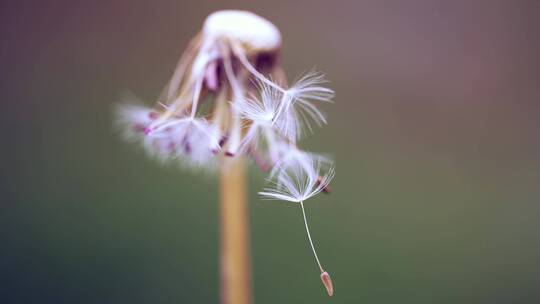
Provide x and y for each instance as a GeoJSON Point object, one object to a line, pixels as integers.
{"type": "Point", "coordinates": [234, 64]}
{"type": "Point", "coordinates": [297, 184]}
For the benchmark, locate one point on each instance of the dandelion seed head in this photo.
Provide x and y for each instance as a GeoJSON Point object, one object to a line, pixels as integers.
{"type": "Point", "coordinates": [268, 112]}
{"type": "Point", "coordinates": [250, 113]}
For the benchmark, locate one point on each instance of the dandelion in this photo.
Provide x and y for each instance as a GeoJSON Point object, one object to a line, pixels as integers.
{"type": "Point", "coordinates": [233, 64]}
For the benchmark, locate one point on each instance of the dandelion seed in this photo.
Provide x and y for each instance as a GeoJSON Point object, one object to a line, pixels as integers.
{"type": "Point", "coordinates": [291, 111]}
{"type": "Point", "coordinates": [307, 89]}
{"type": "Point", "coordinates": [296, 184]}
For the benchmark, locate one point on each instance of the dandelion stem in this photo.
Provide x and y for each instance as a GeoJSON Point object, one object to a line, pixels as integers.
{"type": "Point", "coordinates": [234, 233]}
{"type": "Point", "coordinates": [309, 237]}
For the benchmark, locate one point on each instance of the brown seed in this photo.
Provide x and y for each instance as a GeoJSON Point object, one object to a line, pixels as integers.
{"type": "Point", "coordinates": [327, 282]}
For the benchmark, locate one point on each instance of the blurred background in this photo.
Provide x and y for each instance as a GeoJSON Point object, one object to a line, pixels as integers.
{"type": "Point", "coordinates": [435, 132]}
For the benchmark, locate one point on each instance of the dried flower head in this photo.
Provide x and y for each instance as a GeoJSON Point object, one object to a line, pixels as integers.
{"type": "Point", "coordinates": [251, 114]}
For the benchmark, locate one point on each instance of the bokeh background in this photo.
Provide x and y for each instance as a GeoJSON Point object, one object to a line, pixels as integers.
{"type": "Point", "coordinates": [434, 132]}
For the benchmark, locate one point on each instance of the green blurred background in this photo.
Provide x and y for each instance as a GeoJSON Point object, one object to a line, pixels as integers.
{"type": "Point", "coordinates": [434, 132]}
